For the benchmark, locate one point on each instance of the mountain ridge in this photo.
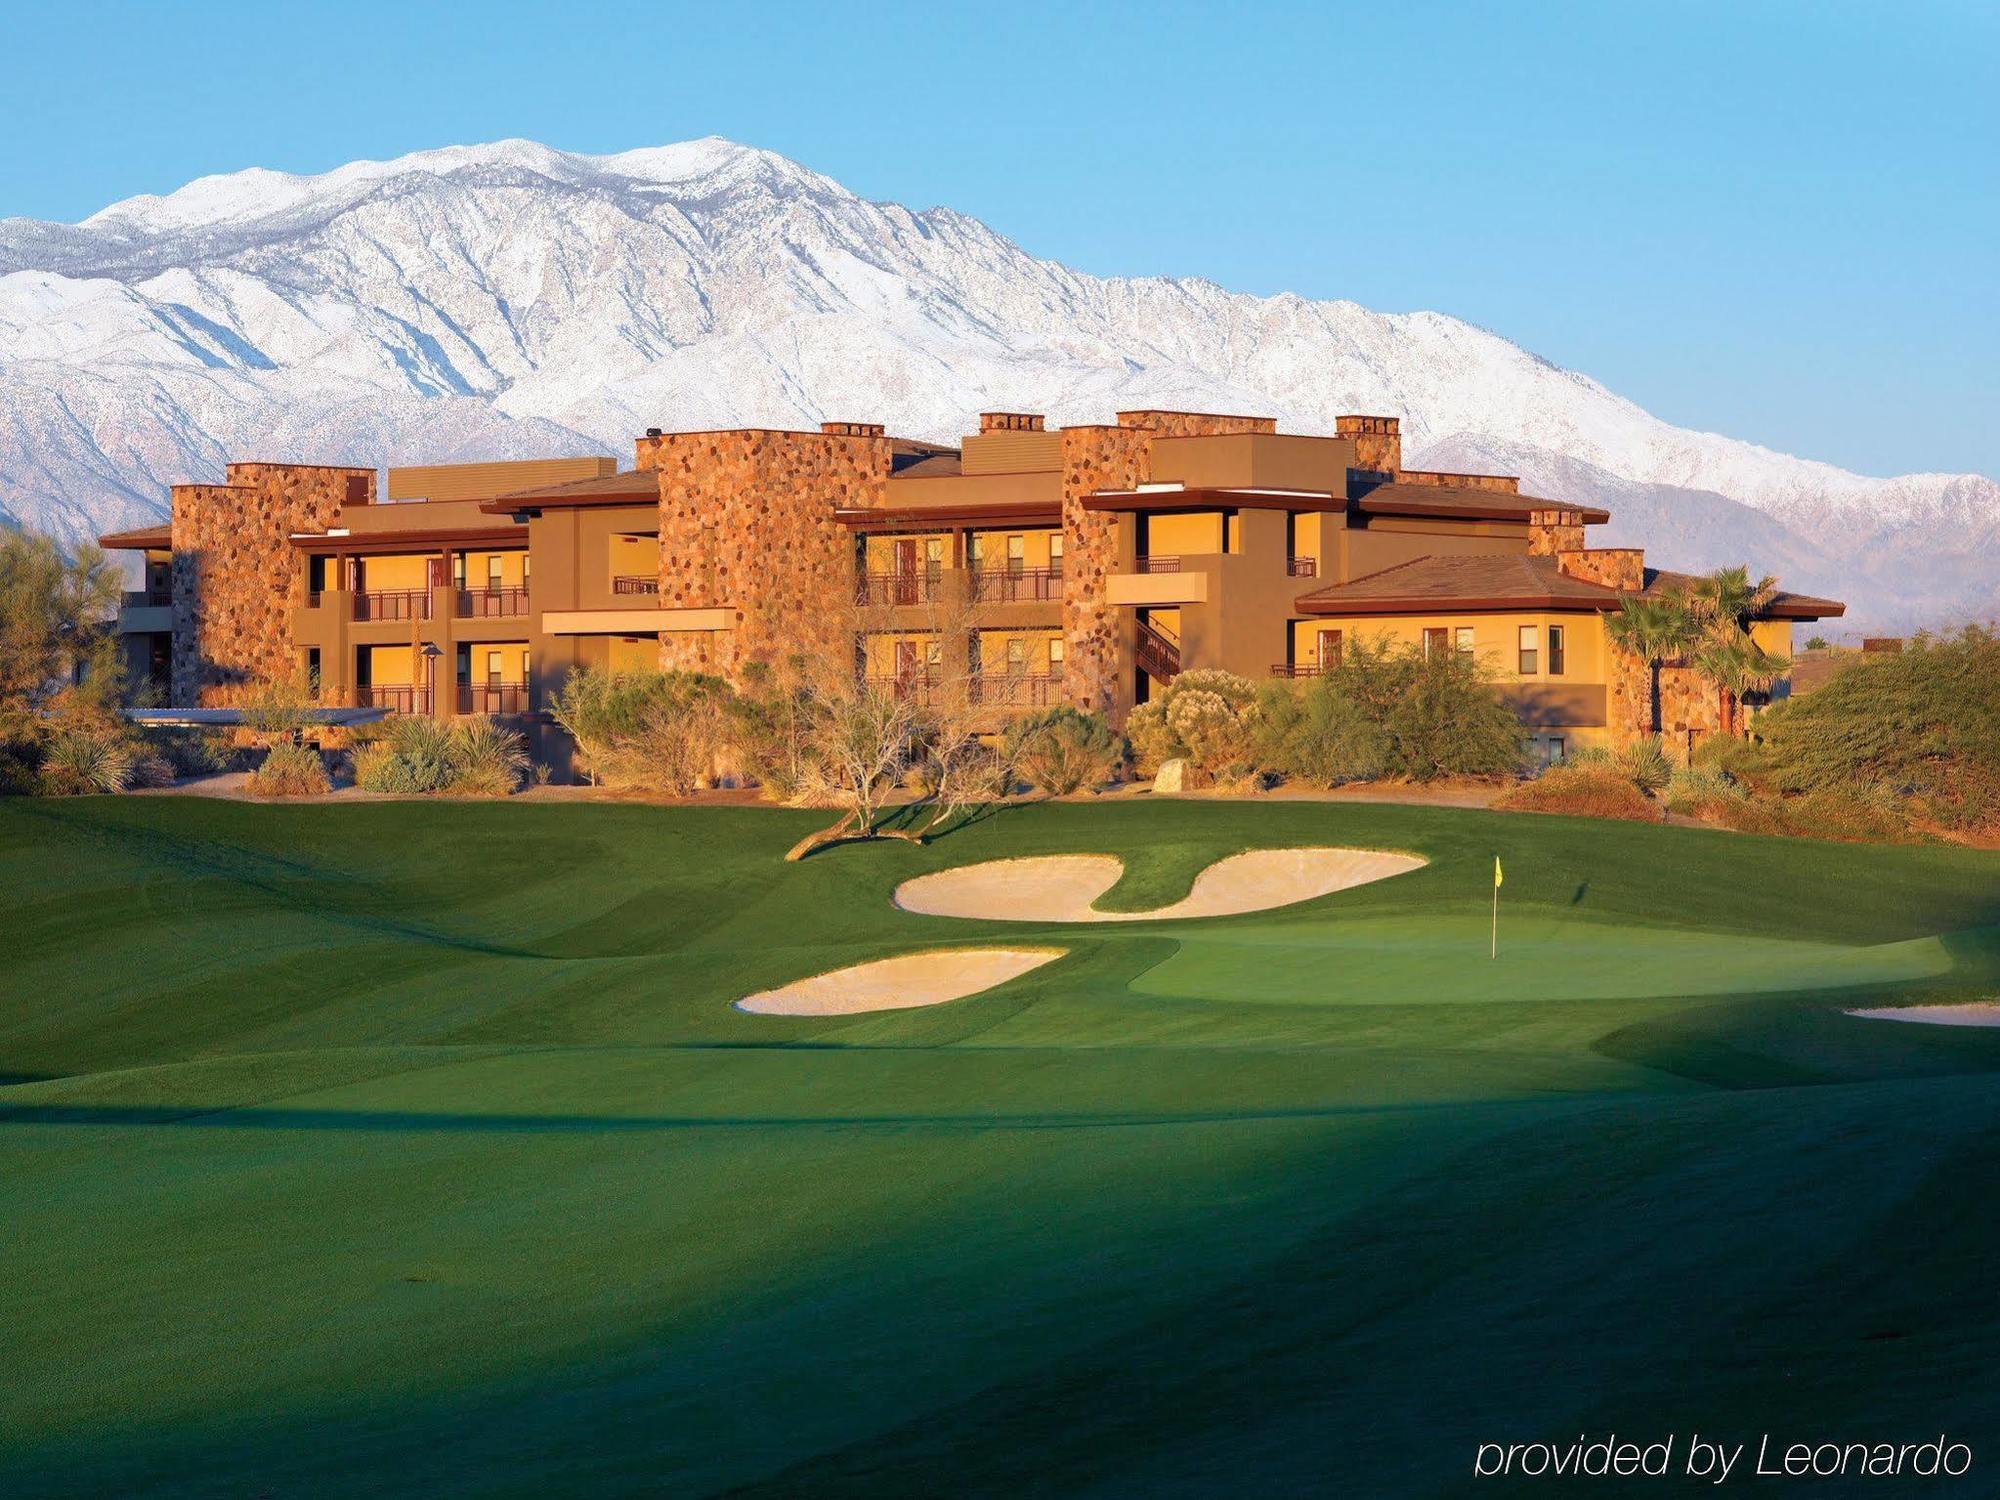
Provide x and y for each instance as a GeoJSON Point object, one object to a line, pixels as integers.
{"type": "Point", "coordinates": [515, 299]}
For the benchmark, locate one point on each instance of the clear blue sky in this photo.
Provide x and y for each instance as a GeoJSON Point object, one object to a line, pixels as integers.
{"type": "Point", "coordinates": [1775, 220]}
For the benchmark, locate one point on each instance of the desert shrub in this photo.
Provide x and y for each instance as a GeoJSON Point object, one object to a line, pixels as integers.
{"type": "Point", "coordinates": [470, 757]}
{"type": "Point", "coordinates": [1448, 719]}
{"type": "Point", "coordinates": [1062, 750]}
{"type": "Point", "coordinates": [152, 769]}
{"type": "Point", "coordinates": [80, 760]}
{"type": "Point", "coordinates": [654, 731]}
{"type": "Point", "coordinates": [1923, 722]}
{"type": "Point", "coordinates": [1863, 814]}
{"type": "Point", "coordinates": [1318, 734]}
{"type": "Point", "coordinates": [1581, 791]}
{"type": "Point", "coordinates": [1207, 717]}
{"type": "Point", "coordinates": [290, 770]}
{"type": "Point", "coordinates": [1590, 755]}
{"type": "Point", "coordinates": [1646, 763]}
{"type": "Point", "coordinates": [190, 752]}
{"type": "Point", "coordinates": [485, 760]}
{"type": "Point", "coordinates": [1146, 731]}
{"type": "Point", "coordinates": [1694, 790]}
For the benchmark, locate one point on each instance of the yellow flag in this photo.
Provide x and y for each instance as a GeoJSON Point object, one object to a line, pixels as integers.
{"type": "Point", "coordinates": [1496, 873]}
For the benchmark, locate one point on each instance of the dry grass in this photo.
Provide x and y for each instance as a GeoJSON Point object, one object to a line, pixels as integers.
{"type": "Point", "coordinates": [1583, 792]}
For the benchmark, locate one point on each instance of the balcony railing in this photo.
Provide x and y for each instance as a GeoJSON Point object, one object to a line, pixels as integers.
{"type": "Point", "coordinates": [921, 686]}
{"type": "Point", "coordinates": [1302, 567]}
{"type": "Point", "coordinates": [1009, 585]}
{"type": "Point", "coordinates": [493, 698]}
{"type": "Point", "coordinates": [1297, 669]}
{"type": "Point", "coordinates": [393, 604]}
{"type": "Point", "coordinates": [491, 603]}
{"type": "Point", "coordinates": [1015, 689]}
{"type": "Point", "coordinates": [897, 588]}
{"type": "Point", "coordinates": [148, 598]}
{"type": "Point", "coordinates": [1157, 564]}
{"type": "Point", "coordinates": [636, 583]}
{"type": "Point", "coordinates": [397, 698]}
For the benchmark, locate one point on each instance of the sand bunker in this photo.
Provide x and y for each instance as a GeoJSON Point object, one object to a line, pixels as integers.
{"type": "Point", "coordinates": [899, 983]}
{"type": "Point", "coordinates": [1976, 1013]}
{"type": "Point", "coordinates": [1065, 887]}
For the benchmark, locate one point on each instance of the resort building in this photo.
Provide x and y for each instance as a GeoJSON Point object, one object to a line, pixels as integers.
{"type": "Point", "coordinates": [1086, 565]}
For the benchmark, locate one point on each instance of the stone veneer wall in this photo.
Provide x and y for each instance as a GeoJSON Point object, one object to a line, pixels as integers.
{"type": "Point", "coordinates": [746, 523]}
{"type": "Point", "coordinates": [1504, 484]}
{"type": "Point", "coordinates": [1378, 442]}
{"type": "Point", "coordinates": [1554, 532]}
{"type": "Point", "coordinates": [235, 572]}
{"type": "Point", "coordinates": [1629, 706]}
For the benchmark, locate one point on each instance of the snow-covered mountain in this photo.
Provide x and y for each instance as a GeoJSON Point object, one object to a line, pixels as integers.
{"type": "Point", "coordinates": [513, 300]}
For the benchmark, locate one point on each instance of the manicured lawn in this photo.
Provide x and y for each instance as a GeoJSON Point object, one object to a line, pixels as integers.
{"type": "Point", "coordinates": [416, 1149]}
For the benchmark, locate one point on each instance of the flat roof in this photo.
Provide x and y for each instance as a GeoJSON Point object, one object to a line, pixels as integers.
{"type": "Point", "coordinates": [1462, 502]}
{"type": "Point", "coordinates": [139, 538]}
{"type": "Point", "coordinates": [228, 718]}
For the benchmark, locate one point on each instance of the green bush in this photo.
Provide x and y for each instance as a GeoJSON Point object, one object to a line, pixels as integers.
{"type": "Point", "coordinates": [1922, 723]}
{"type": "Point", "coordinates": [1319, 734]}
{"type": "Point", "coordinates": [415, 756]}
{"type": "Point", "coordinates": [652, 731]}
{"type": "Point", "coordinates": [1062, 750]}
{"type": "Point", "coordinates": [290, 771]}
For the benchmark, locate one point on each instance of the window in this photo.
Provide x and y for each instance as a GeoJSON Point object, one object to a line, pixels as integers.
{"type": "Point", "coordinates": [1531, 656]}
{"type": "Point", "coordinates": [1436, 639]}
{"type": "Point", "coordinates": [1552, 747]}
{"type": "Point", "coordinates": [1056, 649]}
{"type": "Point", "coordinates": [525, 678]}
{"type": "Point", "coordinates": [458, 570]}
{"type": "Point", "coordinates": [524, 569]}
{"type": "Point", "coordinates": [933, 655]}
{"type": "Point", "coordinates": [975, 551]}
{"type": "Point", "coordinates": [934, 554]}
{"type": "Point", "coordinates": [1328, 650]}
{"type": "Point", "coordinates": [1555, 651]}
{"type": "Point", "coordinates": [1017, 656]}
{"type": "Point", "coordinates": [493, 573]}
{"type": "Point", "coordinates": [1462, 640]}
{"type": "Point", "coordinates": [1055, 551]}
{"type": "Point", "coordinates": [1017, 553]}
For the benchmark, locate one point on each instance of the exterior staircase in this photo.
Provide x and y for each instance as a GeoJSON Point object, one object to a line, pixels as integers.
{"type": "Point", "coordinates": [1158, 651]}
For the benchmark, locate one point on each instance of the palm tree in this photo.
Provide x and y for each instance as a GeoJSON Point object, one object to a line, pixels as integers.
{"type": "Point", "coordinates": [1726, 601]}
{"type": "Point", "coordinates": [1736, 664]}
{"type": "Point", "coordinates": [1655, 630]}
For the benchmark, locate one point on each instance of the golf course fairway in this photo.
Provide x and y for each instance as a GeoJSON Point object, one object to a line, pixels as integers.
{"type": "Point", "coordinates": [419, 1148]}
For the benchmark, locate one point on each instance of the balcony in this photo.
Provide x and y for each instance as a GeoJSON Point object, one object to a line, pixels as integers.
{"type": "Point", "coordinates": [490, 603]}
{"type": "Point", "coordinates": [636, 583]}
{"type": "Point", "coordinates": [1302, 567]}
{"type": "Point", "coordinates": [494, 698]}
{"type": "Point", "coordinates": [898, 588]}
{"type": "Point", "coordinates": [392, 604]}
{"type": "Point", "coordinates": [1296, 669]}
{"type": "Point", "coordinates": [1152, 563]}
{"type": "Point", "coordinates": [920, 687]}
{"type": "Point", "coordinates": [1016, 585]}
{"type": "Point", "coordinates": [1015, 689]}
{"type": "Point", "coordinates": [397, 698]}
{"type": "Point", "coordinates": [148, 598]}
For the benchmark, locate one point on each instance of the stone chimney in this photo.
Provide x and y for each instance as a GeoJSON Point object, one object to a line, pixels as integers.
{"type": "Point", "coordinates": [1378, 441]}
{"type": "Point", "coordinates": [1012, 421]}
{"type": "Point", "coordinates": [852, 429]}
{"type": "Point", "coordinates": [1614, 567]}
{"type": "Point", "coordinates": [1554, 532]}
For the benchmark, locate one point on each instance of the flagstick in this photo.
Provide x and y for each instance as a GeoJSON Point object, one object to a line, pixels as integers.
{"type": "Point", "coordinates": [1496, 921]}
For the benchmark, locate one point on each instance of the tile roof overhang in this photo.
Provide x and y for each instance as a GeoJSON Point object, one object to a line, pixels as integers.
{"type": "Point", "coordinates": [1507, 582]}
{"type": "Point", "coordinates": [1463, 502]}
{"type": "Point", "coordinates": [632, 487]}
{"type": "Point", "coordinates": [139, 539]}
{"type": "Point", "coordinates": [931, 517]}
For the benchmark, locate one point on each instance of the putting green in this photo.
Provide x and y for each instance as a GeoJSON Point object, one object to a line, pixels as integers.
{"type": "Point", "coordinates": [1445, 961]}
{"type": "Point", "coordinates": [417, 1149]}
